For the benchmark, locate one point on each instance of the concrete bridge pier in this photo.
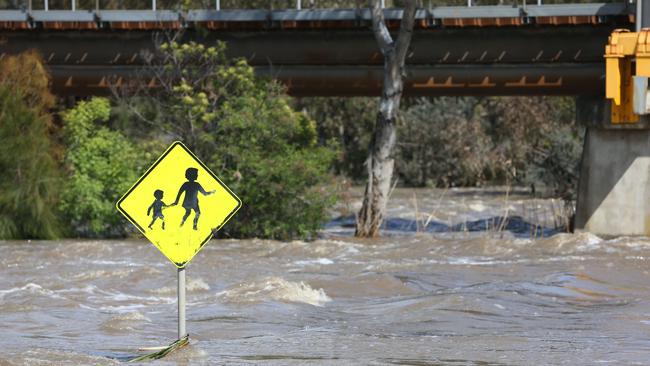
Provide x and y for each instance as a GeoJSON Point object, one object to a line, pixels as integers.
{"type": "Point", "coordinates": [614, 188]}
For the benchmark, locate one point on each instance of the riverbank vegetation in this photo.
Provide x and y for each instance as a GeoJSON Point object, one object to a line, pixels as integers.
{"type": "Point", "coordinates": [462, 141]}
{"type": "Point", "coordinates": [30, 154]}
{"type": "Point", "coordinates": [64, 179]}
{"type": "Point", "coordinates": [64, 165]}
{"type": "Point", "coordinates": [245, 130]}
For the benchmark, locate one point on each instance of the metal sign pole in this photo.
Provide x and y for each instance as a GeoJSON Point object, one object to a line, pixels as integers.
{"type": "Point", "coordinates": [181, 303]}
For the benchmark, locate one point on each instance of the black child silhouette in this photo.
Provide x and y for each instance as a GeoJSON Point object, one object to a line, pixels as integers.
{"type": "Point", "coordinates": [191, 199]}
{"type": "Point", "coordinates": [157, 207]}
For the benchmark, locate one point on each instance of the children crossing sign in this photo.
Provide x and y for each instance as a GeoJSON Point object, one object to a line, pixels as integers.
{"type": "Point", "coordinates": [178, 204]}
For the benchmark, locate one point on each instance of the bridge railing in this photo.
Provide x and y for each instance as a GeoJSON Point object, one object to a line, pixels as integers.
{"type": "Point", "coordinates": [89, 5]}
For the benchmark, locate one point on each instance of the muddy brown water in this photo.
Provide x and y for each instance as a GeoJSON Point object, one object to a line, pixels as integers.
{"type": "Point", "coordinates": [455, 297]}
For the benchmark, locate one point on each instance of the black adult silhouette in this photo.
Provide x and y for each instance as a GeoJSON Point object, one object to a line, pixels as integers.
{"type": "Point", "coordinates": [191, 199]}
{"type": "Point", "coordinates": [157, 207]}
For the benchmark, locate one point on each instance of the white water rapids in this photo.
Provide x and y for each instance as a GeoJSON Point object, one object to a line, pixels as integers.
{"type": "Point", "coordinates": [413, 297]}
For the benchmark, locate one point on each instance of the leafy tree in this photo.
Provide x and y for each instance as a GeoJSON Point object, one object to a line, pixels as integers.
{"type": "Point", "coordinates": [29, 182]}
{"type": "Point", "coordinates": [348, 121]}
{"type": "Point", "coordinates": [102, 165]}
{"type": "Point", "coordinates": [442, 142]}
{"type": "Point", "coordinates": [278, 167]}
{"type": "Point", "coordinates": [245, 130]}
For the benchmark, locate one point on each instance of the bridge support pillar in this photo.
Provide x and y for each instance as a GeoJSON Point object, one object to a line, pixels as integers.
{"type": "Point", "coordinates": [614, 188]}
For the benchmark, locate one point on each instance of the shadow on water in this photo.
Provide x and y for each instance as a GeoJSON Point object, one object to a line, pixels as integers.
{"type": "Point", "coordinates": [517, 225]}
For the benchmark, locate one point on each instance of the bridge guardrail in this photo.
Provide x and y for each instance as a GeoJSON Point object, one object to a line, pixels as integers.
{"type": "Point", "coordinates": [174, 5]}
{"type": "Point", "coordinates": [453, 16]}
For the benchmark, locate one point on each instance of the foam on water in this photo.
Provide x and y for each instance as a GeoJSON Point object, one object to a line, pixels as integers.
{"type": "Point", "coordinates": [480, 207]}
{"type": "Point", "coordinates": [120, 296]}
{"type": "Point", "coordinates": [119, 309]}
{"type": "Point", "coordinates": [125, 321]}
{"type": "Point", "coordinates": [277, 289]}
{"type": "Point", "coordinates": [91, 275]}
{"type": "Point", "coordinates": [31, 288]}
{"type": "Point", "coordinates": [311, 262]}
{"type": "Point", "coordinates": [123, 263]}
{"type": "Point", "coordinates": [86, 290]}
{"type": "Point", "coordinates": [476, 261]}
{"type": "Point", "coordinates": [588, 242]}
{"type": "Point", "coordinates": [192, 285]}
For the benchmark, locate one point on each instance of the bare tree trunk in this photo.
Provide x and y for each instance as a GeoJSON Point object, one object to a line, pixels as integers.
{"type": "Point", "coordinates": [380, 153]}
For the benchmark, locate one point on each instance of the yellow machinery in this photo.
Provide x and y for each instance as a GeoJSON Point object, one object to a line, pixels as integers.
{"type": "Point", "coordinates": [628, 90]}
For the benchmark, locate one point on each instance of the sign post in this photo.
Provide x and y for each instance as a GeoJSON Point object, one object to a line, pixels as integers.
{"type": "Point", "coordinates": [181, 303]}
{"type": "Point", "coordinates": [178, 204]}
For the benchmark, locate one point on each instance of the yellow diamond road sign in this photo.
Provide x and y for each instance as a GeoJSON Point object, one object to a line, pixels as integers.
{"type": "Point", "coordinates": [178, 203]}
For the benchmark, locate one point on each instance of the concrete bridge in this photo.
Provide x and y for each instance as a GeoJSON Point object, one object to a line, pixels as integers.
{"type": "Point", "coordinates": [476, 50]}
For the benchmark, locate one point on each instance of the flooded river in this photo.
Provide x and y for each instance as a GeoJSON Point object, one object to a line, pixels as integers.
{"type": "Point", "coordinates": [450, 283]}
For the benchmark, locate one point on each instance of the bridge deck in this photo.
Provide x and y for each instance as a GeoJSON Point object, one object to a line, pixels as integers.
{"type": "Point", "coordinates": [445, 16]}
{"type": "Point", "coordinates": [486, 50]}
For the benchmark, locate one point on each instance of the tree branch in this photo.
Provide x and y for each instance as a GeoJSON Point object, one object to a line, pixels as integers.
{"type": "Point", "coordinates": [405, 30]}
{"type": "Point", "coordinates": [384, 40]}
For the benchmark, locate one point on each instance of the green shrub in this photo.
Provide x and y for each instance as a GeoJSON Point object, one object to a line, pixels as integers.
{"type": "Point", "coordinates": [102, 165]}
{"type": "Point", "coordinates": [246, 131]}
{"type": "Point", "coordinates": [349, 122]}
{"type": "Point", "coordinates": [269, 155]}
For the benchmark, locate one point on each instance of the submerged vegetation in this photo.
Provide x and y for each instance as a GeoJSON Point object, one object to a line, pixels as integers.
{"type": "Point", "coordinates": [63, 170]}
{"type": "Point", "coordinates": [243, 127]}
{"type": "Point", "coordinates": [246, 131]}
{"type": "Point", "coordinates": [463, 141]}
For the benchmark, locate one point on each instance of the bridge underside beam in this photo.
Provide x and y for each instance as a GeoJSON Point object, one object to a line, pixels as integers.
{"type": "Point", "coordinates": [553, 60]}
{"type": "Point", "coordinates": [422, 80]}
{"type": "Point", "coordinates": [450, 46]}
